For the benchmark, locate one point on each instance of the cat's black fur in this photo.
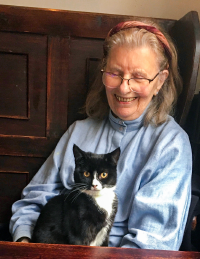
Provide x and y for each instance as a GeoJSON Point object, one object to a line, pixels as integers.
{"type": "Point", "coordinates": [83, 215]}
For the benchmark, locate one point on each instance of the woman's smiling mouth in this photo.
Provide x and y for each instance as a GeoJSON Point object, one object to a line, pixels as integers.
{"type": "Point", "coordinates": [123, 99]}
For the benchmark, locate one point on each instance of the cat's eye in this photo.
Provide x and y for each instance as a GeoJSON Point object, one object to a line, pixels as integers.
{"type": "Point", "coordinates": [86, 174]}
{"type": "Point", "coordinates": [104, 175]}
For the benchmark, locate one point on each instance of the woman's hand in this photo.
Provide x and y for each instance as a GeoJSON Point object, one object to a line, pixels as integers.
{"type": "Point", "coordinates": [24, 240]}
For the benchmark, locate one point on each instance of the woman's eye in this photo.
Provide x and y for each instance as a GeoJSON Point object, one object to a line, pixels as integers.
{"type": "Point", "coordinates": [86, 174]}
{"type": "Point", "coordinates": [138, 76]}
{"type": "Point", "coordinates": [140, 80]}
{"type": "Point", "coordinates": [104, 175]}
{"type": "Point", "coordinates": [112, 75]}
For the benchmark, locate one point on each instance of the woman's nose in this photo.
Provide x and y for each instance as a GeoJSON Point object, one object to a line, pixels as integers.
{"type": "Point", "coordinates": [124, 87]}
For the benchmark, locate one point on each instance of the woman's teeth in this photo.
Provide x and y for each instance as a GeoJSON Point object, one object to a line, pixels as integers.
{"type": "Point", "coordinates": [121, 99]}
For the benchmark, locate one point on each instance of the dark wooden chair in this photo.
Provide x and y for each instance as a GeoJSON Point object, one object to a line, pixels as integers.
{"type": "Point", "coordinates": [47, 62]}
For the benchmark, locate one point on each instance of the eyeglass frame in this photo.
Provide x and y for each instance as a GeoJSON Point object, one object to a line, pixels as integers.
{"type": "Point", "coordinates": [150, 80]}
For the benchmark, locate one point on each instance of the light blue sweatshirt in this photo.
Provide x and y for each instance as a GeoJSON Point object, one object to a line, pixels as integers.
{"type": "Point", "coordinates": [153, 186]}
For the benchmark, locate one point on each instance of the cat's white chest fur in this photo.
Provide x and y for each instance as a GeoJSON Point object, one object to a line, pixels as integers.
{"type": "Point", "coordinates": [104, 198]}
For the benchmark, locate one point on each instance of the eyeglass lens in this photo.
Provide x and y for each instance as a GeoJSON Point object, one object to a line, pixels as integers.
{"type": "Point", "coordinates": [112, 81]}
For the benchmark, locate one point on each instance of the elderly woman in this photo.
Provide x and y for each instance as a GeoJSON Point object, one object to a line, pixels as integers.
{"type": "Point", "coordinates": [129, 108]}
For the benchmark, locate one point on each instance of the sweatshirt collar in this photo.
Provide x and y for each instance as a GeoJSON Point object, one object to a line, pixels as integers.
{"type": "Point", "coordinates": [125, 126]}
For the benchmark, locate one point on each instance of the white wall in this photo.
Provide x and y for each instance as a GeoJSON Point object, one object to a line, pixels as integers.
{"type": "Point", "coordinates": [153, 8]}
{"type": "Point", "coordinates": [172, 9]}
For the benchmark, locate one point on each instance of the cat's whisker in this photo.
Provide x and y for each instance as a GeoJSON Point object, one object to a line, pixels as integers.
{"type": "Point", "coordinates": [70, 192]}
{"type": "Point", "coordinates": [79, 185]}
{"type": "Point", "coordinates": [108, 185]}
{"type": "Point", "coordinates": [69, 195]}
{"type": "Point", "coordinates": [83, 187]}
{"type": "Point", "coordinates": [76, 196]}
{"type": "Point", "coordinates": [100, 210]}
{"type": "Point", "coordinates": [75, 184]}
{"type": "Point", "coordinates": [79, 188]}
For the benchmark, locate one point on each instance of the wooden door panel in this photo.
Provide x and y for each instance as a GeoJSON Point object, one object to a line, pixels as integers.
{"type": "Point", "coordinates": [13, 79]}
{"type": "Point", "coordinates": [85, 55]}
{"type": "Point", "coordinates": [11, 185]}
{"type": "Point", "coordinates": [25, 141]}
{"type": "Point", "coordinates": [23, 59]}
{"type": "Point", "coordinates": [15, 174]}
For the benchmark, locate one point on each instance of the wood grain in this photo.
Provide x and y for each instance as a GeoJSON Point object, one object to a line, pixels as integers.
{"type": "Point", "coordinates": [45, 251]}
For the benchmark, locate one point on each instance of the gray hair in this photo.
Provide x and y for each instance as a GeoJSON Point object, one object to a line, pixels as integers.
{"type": "Point", "coordinates": [163, 103]}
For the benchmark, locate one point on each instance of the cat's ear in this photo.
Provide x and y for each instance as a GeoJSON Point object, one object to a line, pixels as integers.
{"type": "Point", "coordinates": [78, 153]}
{"type": "Point", "coordinates": [115, 155]}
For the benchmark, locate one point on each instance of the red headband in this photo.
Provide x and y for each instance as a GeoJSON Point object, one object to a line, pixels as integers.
{"type": "Point", "coordinates": [136, 24]}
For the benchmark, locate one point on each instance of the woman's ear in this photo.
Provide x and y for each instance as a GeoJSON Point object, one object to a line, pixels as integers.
{"type": "Point", "coordinates": [162, 77]}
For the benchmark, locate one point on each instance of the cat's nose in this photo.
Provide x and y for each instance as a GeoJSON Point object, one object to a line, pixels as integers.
{"type": "Point", "coordinates": [94, 186]}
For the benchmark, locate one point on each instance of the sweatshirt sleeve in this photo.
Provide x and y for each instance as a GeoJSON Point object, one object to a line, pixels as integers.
{"type": "Point", "coordinates": [159, 209]}
{"type": "Point", "coordinates": [55, 174]}
{"type": "Point", "coordinates": [45, 184]}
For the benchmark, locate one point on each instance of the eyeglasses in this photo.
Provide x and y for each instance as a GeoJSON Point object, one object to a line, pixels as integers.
{"type": "Point", "coordinates": [112, 80]}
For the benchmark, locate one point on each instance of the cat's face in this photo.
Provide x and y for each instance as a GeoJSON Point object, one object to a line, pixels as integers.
{"type": "Point", "coordinates": [93, 171]}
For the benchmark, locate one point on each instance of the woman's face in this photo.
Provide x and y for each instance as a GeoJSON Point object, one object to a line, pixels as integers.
{"type": "Point", "coordinates": [139, 62]}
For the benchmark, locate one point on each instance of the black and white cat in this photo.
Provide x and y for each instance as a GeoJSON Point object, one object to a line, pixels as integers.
{"type": "Point", "coordinates": [85, 214]}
